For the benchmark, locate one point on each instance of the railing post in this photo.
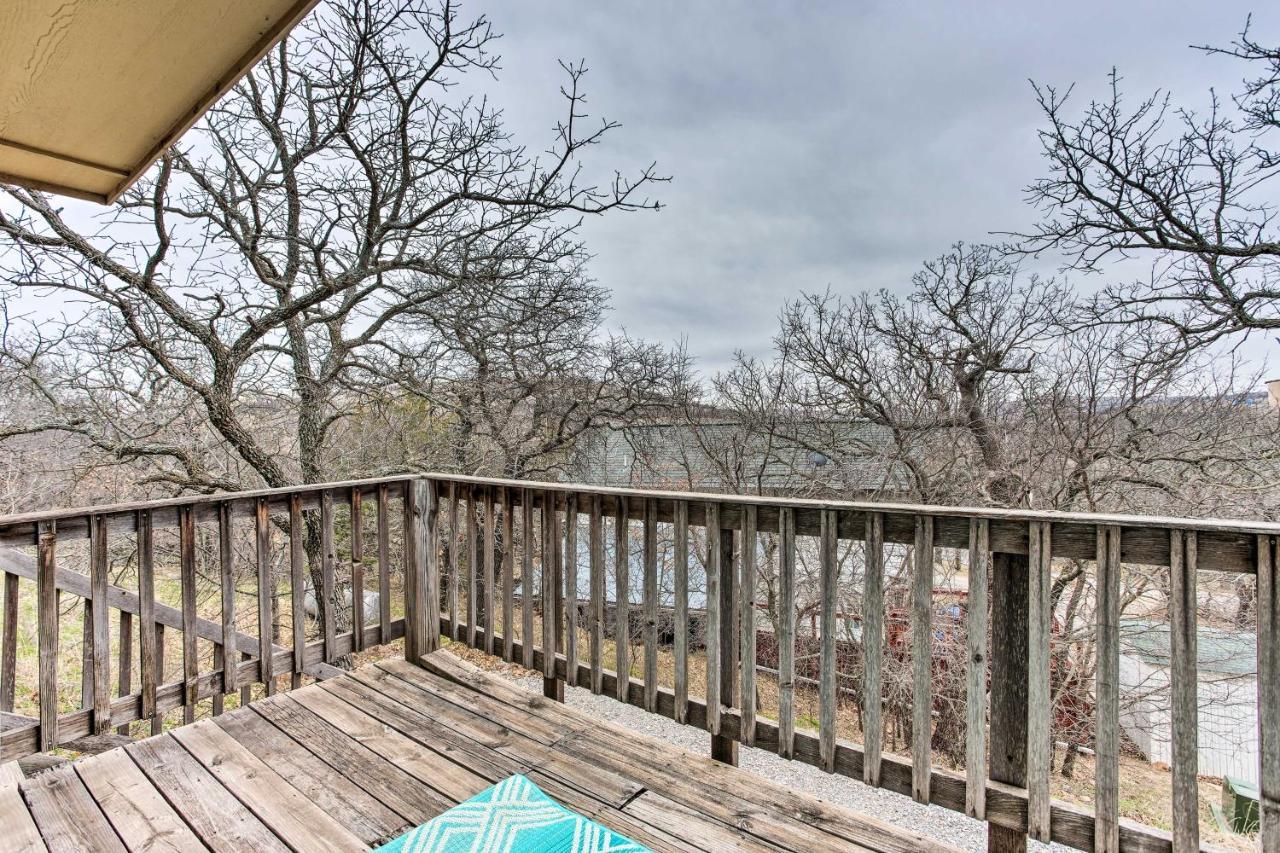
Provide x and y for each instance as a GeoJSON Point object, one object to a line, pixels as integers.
{"type": "Point", "coordinates": [422, 582]}
{"type": "Point", "coordinates": [552, 596]}
{"type": "Point", "coordinates": [726, 748]}
{"type": "Point", "coordinates": [1008, 739]}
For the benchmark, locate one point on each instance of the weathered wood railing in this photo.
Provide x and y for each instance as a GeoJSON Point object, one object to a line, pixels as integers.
{"type": "Point", "coordinates": [1010, 563]}
{"type": "Point", "coordinates": [526, 571]}
{"type": "Point", "coordinates": [217, 657]}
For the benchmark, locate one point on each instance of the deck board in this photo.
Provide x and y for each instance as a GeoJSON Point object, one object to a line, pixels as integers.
{"type": "Point", "coordinates": [349, 762]}
{"type": "Point", "coordinates": [68, 818]}
{"type": "Point", "coordinates": [140, 815]}
{"type": "Point", "coordinates": [360, 812]}
{"type": "Point", "coordinates": [19, 827]}
{"type": "Point", "coordinates": [213, 812]}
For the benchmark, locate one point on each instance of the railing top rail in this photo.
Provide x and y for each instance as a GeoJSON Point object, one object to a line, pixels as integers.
{"type": "Point", "coordinates": [1212, 525]}
{"type": "Point", "coordinates": [1216, 525]}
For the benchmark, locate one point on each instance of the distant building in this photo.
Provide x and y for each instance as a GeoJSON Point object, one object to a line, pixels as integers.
{"type": "Point", "coordinates": [850, 460]}
{"type": "Point", "coordinates": [1227, 668]}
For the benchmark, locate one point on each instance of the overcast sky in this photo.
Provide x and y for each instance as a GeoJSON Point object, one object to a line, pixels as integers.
{"type": "Point", "coordinates": [817, 144]}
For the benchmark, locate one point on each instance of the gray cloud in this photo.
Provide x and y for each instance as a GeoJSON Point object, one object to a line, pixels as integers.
{"type": "Point", "coordinates": [817, 144]}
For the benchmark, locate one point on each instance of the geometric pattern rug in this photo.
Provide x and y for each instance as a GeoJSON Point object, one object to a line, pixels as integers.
{"type": "Point", "coordinates": [514, 816]}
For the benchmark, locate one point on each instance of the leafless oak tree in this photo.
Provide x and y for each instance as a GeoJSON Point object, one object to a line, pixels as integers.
{"type": "Point", "coordinates": [1193, 192]}
{"type": "Point", "coordinates": [229, 311]}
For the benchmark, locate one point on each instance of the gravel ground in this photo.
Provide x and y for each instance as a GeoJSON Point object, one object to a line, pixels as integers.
{"type": "Point", "coordinates": [943, 824]}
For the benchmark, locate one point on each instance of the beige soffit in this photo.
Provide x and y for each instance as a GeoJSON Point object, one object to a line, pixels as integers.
{"type": "Point", "coordinates": [93, 91]}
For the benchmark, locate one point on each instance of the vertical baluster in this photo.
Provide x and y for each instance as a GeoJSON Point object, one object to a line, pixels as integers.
{"type": "Point", "coordinates": [922, 661]}
{"type": "Point", "coordinates": [975, 797]}
{"type": "Point", "coordinates": [226, 565]}
{"type": "Point", "coordinates": [1269, 692]}
{"type": "Point", "coordinates": [190, 660]}
{"type": "Point", "coordinates": [571, 587]}
{"type": "Point", "coordinates": [219, 663]}
{"type": "Point", "coordinates": [1183, 688]}
{"type": "Point", "coordinates": [622, 596]}
{"type": "Point", "coordinates": [526, 577]}
{"type": "Point", "coordinates": [681, 569]}
{"type": "Point", "coordinates": [547, 518]}
{"type": "Point", "coordinates": [47, 631]}
{"type": "Point", "coordinates": [384, 564]}
{"type": "Point", "coordinates": [297, 588]}
{"type": "Point", "coordinates": [150, 644]}
{"type": "Point", "coordinates": [455, 631]}
{"type": "Point", "coordinates": [747, 622]}
{"type": "Point", "coordinates": [357, 570]}
{"type": "Point", "coordinates": [714, 627]}
{"type": "Point", "coordinates": [651, 605]}
{"type": "Point", "coordinates": [595, 545]}
{"type": "Point", "coordinates": [786, 631]}
{"type": "Point", "coordinates": [266, 605]}
{"type": "Point", "coordinates": [473, 570]}
{"type": "Point", "coordinates": [556, 566]}
{"type": "Point", "coordinates": [873, 649]}
{"type": "Point", "coordinates": [426, 601]}
{"type": "Point", "coordinates": [1106, 823]}
{"type": "Point", "coordinates": [414, 623]}
{"type": "Point", "coordinates": [157, 719]}
{"type": "Point", "coordinates": [328, 562]}
{"type": "Point", "coordinates": [246, 685]}
{"type": "Point", "coordinates": [101, 624]}
{"type": "Point", "coordinates": [508, 576]}
{"type": "Point", "coordinates": [829, 585]}
{"type": "Point", "coordinates": [490, 579]}
{"type": "Point", "coordinates": [9, 643]}
{"type": "Point", "coordinates": [1039, 699]}
{"type": "Point", "coordinates": [125, 683]}
{"type": "Point", "coordinates": [86, 654]}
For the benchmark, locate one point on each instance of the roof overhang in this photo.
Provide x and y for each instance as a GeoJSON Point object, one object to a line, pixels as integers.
{"type": "Point", "coordinates": [91, 93]}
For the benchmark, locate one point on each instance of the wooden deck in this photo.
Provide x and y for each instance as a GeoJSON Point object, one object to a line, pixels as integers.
{"type": "Point", "coordinates": [346, 763]}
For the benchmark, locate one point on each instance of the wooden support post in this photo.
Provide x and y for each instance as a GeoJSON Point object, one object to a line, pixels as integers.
{"type": "Point", "coordinates": [150, 642]}
{"type": "Point", "coordinates": [101, 625]}
{"type": "Point", "coordinates": [1269, 690]}
{"type": "Point", "coordinates": [1008, 742]}
{"type": "Point", "coordinates": [421, 567]}
{"type": "Point", "coordinates": [190, 660]}
{"type": "Point", "coordinates": [726, 748]}
{"type": "Point", "coordinates": [9, 642]}
{"type": "Point", "coordinates": [47, 632]}
{"type": "Point", "coordinates": [552, 596]}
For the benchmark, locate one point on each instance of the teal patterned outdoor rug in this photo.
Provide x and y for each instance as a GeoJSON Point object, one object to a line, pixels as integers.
{"type": "Point", "coordinates": [513, 816]}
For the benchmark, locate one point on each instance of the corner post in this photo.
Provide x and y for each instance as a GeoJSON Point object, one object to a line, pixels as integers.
{"type": "Point", "coordinates": [422, 580]}
{"type": "Point", "coordinates": [725, 748]}
{"type": "Point", "coordinates": [1010, 604]}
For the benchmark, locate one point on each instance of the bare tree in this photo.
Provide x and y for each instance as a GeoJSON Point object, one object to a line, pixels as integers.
{"type": "Point", "coordinates": [934, 369]}
{"type": "Point", "coordinates": [236, 301]}
{"type": "Point", "coordinates": [518, 381]}
{"type": "Point", "coordinates": [1193, 192]}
